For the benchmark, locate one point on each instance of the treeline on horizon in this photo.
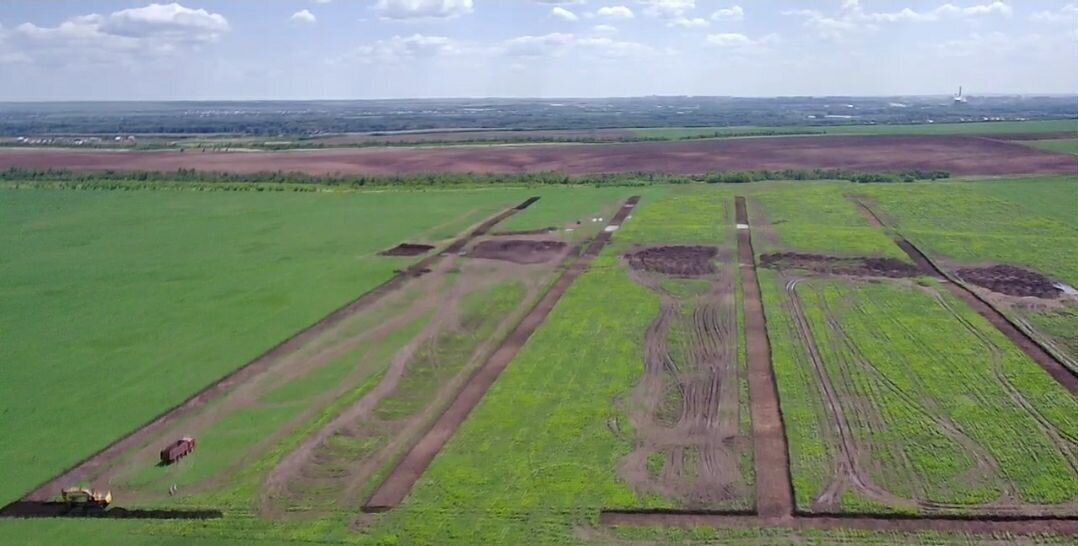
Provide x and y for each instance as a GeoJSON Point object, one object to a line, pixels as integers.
{"type": "Point", "coordinates": [191, 179]}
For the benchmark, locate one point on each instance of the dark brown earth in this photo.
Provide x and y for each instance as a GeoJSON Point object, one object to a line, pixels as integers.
{"type": "Point", "coordinates": [1011, 280]}
{"type": "Point", "coordinates": [407, 249]}
{"type": "Point", "coordinates": [857, 266]}
{"type": "Point", "coordinates": [99, 460]}
{"type": "Point", "coordinates": [681, 261]}
{"type": "Point", "coordinates": [400, 480]}
{"type": "Point", "coordinates": [521, 251]}
{"type": "Point", "coordinates": [960, 155]}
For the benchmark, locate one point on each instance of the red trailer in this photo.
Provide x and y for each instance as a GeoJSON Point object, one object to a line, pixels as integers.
{"type": "Point", "coordinates": [177, 450]}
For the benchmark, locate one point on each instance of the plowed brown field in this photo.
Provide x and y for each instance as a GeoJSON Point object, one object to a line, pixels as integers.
{"type": "Point", "coordinates": [960, 155]}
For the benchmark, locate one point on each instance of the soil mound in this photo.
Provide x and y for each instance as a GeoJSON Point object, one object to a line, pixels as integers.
{"type": "Point", "coordinates": [856, 266]}
{"type": "Point", "coordinates": [518, 250]}
{"type": "Point", "coordinates": [407, 249]}
{"type": "Point", "coordinates": [1011, 280]}
{"type": "Point", "coordinates": [682, 261]}
{"type": "Point", "coordinates": [542, 231]}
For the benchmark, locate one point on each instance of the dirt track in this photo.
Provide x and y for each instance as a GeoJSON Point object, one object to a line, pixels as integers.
{"type": "Point", "coordinates": [399, 482]}
{"type": "Point", "coordinates": [774, 488]}
{"type": "Point", "coordinates": [91, 464]}
{"type": "Point", "coordinates": [961, 155]}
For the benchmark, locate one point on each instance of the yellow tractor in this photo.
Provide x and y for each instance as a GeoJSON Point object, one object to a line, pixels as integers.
{"type": "Point", "coordinates": [77, 497]}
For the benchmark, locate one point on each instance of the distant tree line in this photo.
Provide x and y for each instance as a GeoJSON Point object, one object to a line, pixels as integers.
{"type": "Point", "coordinates": [190, 179]}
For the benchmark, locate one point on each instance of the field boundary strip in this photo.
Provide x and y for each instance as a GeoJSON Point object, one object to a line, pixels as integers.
{"type": "Point", "coordinates": [260, 364]}
{"type": "Point", "coordinates": [399, 482]}
{"type": "Point", "coordinates": [774, 484]}
{"type": "Point", "coordinates": [1030, 346]}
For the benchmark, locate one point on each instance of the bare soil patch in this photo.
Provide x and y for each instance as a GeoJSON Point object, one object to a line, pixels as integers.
{"type": "Point", "coordinates": [960, 155]}
{"type": "Point", "coordinates": [853, 266]}
{"type": "Point", "coordinates": [1011, 280]}
{"type": "Point", "coordinates": [407, 249]}
{"type": "Point", "coordinates": [521, 251]}
{"type": "Point", "coordinates": [680, 261]}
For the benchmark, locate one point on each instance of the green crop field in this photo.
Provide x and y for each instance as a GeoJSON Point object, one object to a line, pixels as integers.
{"type": "Point", "coordinates": [1061, 145]}
{"type": "Point", "coordinates": [929, 429]}
{"type": "Point", "coordinates": [1028, 223]}
{"type": "Point", "coordinates": [168, 290]}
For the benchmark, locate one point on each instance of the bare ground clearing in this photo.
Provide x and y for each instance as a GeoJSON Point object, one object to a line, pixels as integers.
{"type": "Point", "coordinates": [960, 155]}
{"type": "Point", "coordinates": [521, 251]}
{"type": "Point", "coordinates": [854, 266]}
{"type": "Point", "coordinates": [399, 482]}
{"type": "Point", "coordinates": [681, 261]}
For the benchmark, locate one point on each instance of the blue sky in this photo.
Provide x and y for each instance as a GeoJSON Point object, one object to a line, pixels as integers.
{"type": "Point", "coordinates": [355, 49]}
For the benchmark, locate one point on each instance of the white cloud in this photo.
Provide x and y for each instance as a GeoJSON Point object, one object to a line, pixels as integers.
{"type": "Point", "coordinates": [153, 31]}
{"type": "Point", "coordinates": [689, 22]}
{"type": "Point", "coordinates": [733, 13]}
{"type": "Point", "coordinates": [423, 9]}
{"type": "Point", "coordinates": [852, 17]}
{"type": "Point", "coordinates": [558, 44]}
{"type": "Point", "coordinates": [166, 19]}
{"type": "Point", "coordinates": [670, 9]}
{"type": "Point", "coordinates": [605, 29]}
{"type": "Point", "coordinates": [615, 12]}
{"type": "Point", "coordinates": [303, 16]}
{"type": "Point", "coordinates": [564, 14]}
{"type": "Point", "coordinates": [1065, 14]}
{"type": "Point", "coordinates": [399, 48]}
{"type": "Point", "coordinates": [741, 42]}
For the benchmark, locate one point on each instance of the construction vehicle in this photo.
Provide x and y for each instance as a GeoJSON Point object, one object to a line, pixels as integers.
{"type": "Point", "coordinates": [86, 498]}
{"type": "Point", "coordinates": [177, 450]}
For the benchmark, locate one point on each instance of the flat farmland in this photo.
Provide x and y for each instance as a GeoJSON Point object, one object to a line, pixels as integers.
{"type": "Point", "coordinates": [960, 155]}
{"type": "Point", "coordinates": [638, 396]}
{"type": "Point", "coordinates": [122, 304]}
{"type": "Point", "coordinates": [866, 348]}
